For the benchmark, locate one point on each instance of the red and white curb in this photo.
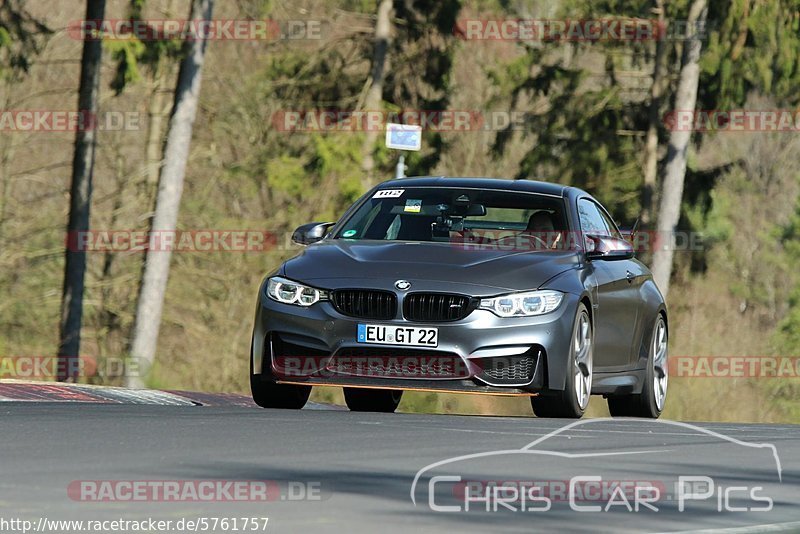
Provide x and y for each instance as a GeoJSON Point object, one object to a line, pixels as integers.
{"type": "Point", "coordinates": [57, 392]}
{"type": "Point", "coordinates": [25, 391]}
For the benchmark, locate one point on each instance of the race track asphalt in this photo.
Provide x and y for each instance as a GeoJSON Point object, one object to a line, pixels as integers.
{"type": "Point", "coordinates": [331, 470]}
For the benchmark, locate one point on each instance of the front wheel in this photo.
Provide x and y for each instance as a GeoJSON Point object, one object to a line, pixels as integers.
{"type": "Point", "coordinates": [372, 400]}
{"type": "Point", "coordinates": [573, 400]}
{"type": "Point", "coordinates": [268, 394]}
{"type": "Point", "coordinates": [271, 395]}
{"type": "Point", "coordinates": [650, 402]}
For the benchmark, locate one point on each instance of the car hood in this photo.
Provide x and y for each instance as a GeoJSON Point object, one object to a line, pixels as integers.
{"type": "Point", "coordinates": [336, 263]}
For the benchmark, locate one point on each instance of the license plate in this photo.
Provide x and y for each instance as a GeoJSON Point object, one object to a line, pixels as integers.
{"type": "Point", "coordinates": [398, 335]}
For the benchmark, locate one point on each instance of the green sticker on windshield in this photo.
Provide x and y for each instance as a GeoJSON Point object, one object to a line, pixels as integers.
{"type": "Point", "coordinates": [349, 233]}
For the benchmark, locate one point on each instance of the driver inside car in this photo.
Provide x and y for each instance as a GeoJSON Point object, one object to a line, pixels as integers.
{"type": "Point", "coordinates": [542, 230]}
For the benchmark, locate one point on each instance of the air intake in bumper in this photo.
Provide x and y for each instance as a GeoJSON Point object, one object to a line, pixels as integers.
{"type": "Point", "coordinates": [510, 370]}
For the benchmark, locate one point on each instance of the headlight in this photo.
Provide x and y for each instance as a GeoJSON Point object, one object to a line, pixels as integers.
{"type": "Point", "coordinates": [290, 292]}
{"type": "Point", "coordinates": [523, 304]}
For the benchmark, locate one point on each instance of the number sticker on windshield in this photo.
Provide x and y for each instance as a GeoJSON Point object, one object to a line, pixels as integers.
{"type": "Point", "coordinates": [388, 193]}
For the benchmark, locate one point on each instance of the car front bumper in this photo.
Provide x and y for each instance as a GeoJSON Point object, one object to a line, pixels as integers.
{"type": "Point", "coordinates": [480, 353]}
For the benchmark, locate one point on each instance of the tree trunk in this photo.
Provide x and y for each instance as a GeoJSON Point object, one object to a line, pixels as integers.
{"type": "Point", "coordinates": [383, 30]}
{"type": "Point", "coordinates": [156, 112]}
{"type": "Point", "coordinates": [675, 169]}
{"type": "Point", "coordinates": [651, 143]}
{"type": "Point", "coordinates": [80, 202]}
{"type": "Point", "coordinates": [176, 152]}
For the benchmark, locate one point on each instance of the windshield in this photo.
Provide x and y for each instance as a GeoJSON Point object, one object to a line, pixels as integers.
{"type": "Point", "coordinates": [443, 214]}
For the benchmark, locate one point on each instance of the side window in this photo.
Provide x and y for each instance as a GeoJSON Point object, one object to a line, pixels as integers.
{"type": "Point", "coordinates": [612, 228]}
{"type": "Point", "coordinates": [592, 219]}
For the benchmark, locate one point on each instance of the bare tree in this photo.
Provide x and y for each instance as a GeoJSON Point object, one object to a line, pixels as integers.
{"type": "Point", "coordinates": [80, 200]}
{"type": "Point", "coordinates": [675, 169]}
{"type": "Point", "coordinates": [651, 143]}
{"type": "Point", "coordinates": [150, 303]}
{"type": "Point", "coordinates": [372, 102]}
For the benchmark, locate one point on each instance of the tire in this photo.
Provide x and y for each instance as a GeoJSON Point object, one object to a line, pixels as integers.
{"type": "Point", "coordinates": [650, 402]}
{"type": "Point", "coordinates": [268, 394]}
{"type": "Point", "coordinates": [372, 400]}
{"type": "Point", "coordinates": [572, 401]}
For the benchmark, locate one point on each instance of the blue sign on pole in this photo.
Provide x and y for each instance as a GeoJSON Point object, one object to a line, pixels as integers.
{"type": "Point", "coordinates": [403, 136]}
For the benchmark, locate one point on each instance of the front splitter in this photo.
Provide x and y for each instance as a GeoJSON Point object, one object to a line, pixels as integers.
{"type": "Point", "coordinates": [460, 386]}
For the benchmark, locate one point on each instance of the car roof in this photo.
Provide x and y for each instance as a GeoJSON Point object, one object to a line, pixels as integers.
{"type": "Point", "coordinates": [526, 186]}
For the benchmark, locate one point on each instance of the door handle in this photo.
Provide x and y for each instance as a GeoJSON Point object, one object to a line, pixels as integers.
{"type": "Point", "coordinates": [629, 276]}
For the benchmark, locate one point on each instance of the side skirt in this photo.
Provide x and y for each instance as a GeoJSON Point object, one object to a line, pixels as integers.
{"type": "Point", "coordinates": [618, 383]}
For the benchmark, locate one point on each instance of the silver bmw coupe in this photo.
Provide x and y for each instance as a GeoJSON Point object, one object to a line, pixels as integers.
{"type": "Point", "coordinates": [471, 285]}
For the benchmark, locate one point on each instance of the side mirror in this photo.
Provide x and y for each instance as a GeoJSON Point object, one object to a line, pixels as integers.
{"type": "Point", "coordinates": [311, 232]}
{"type": "Point", "coordinates": [608, 248]}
